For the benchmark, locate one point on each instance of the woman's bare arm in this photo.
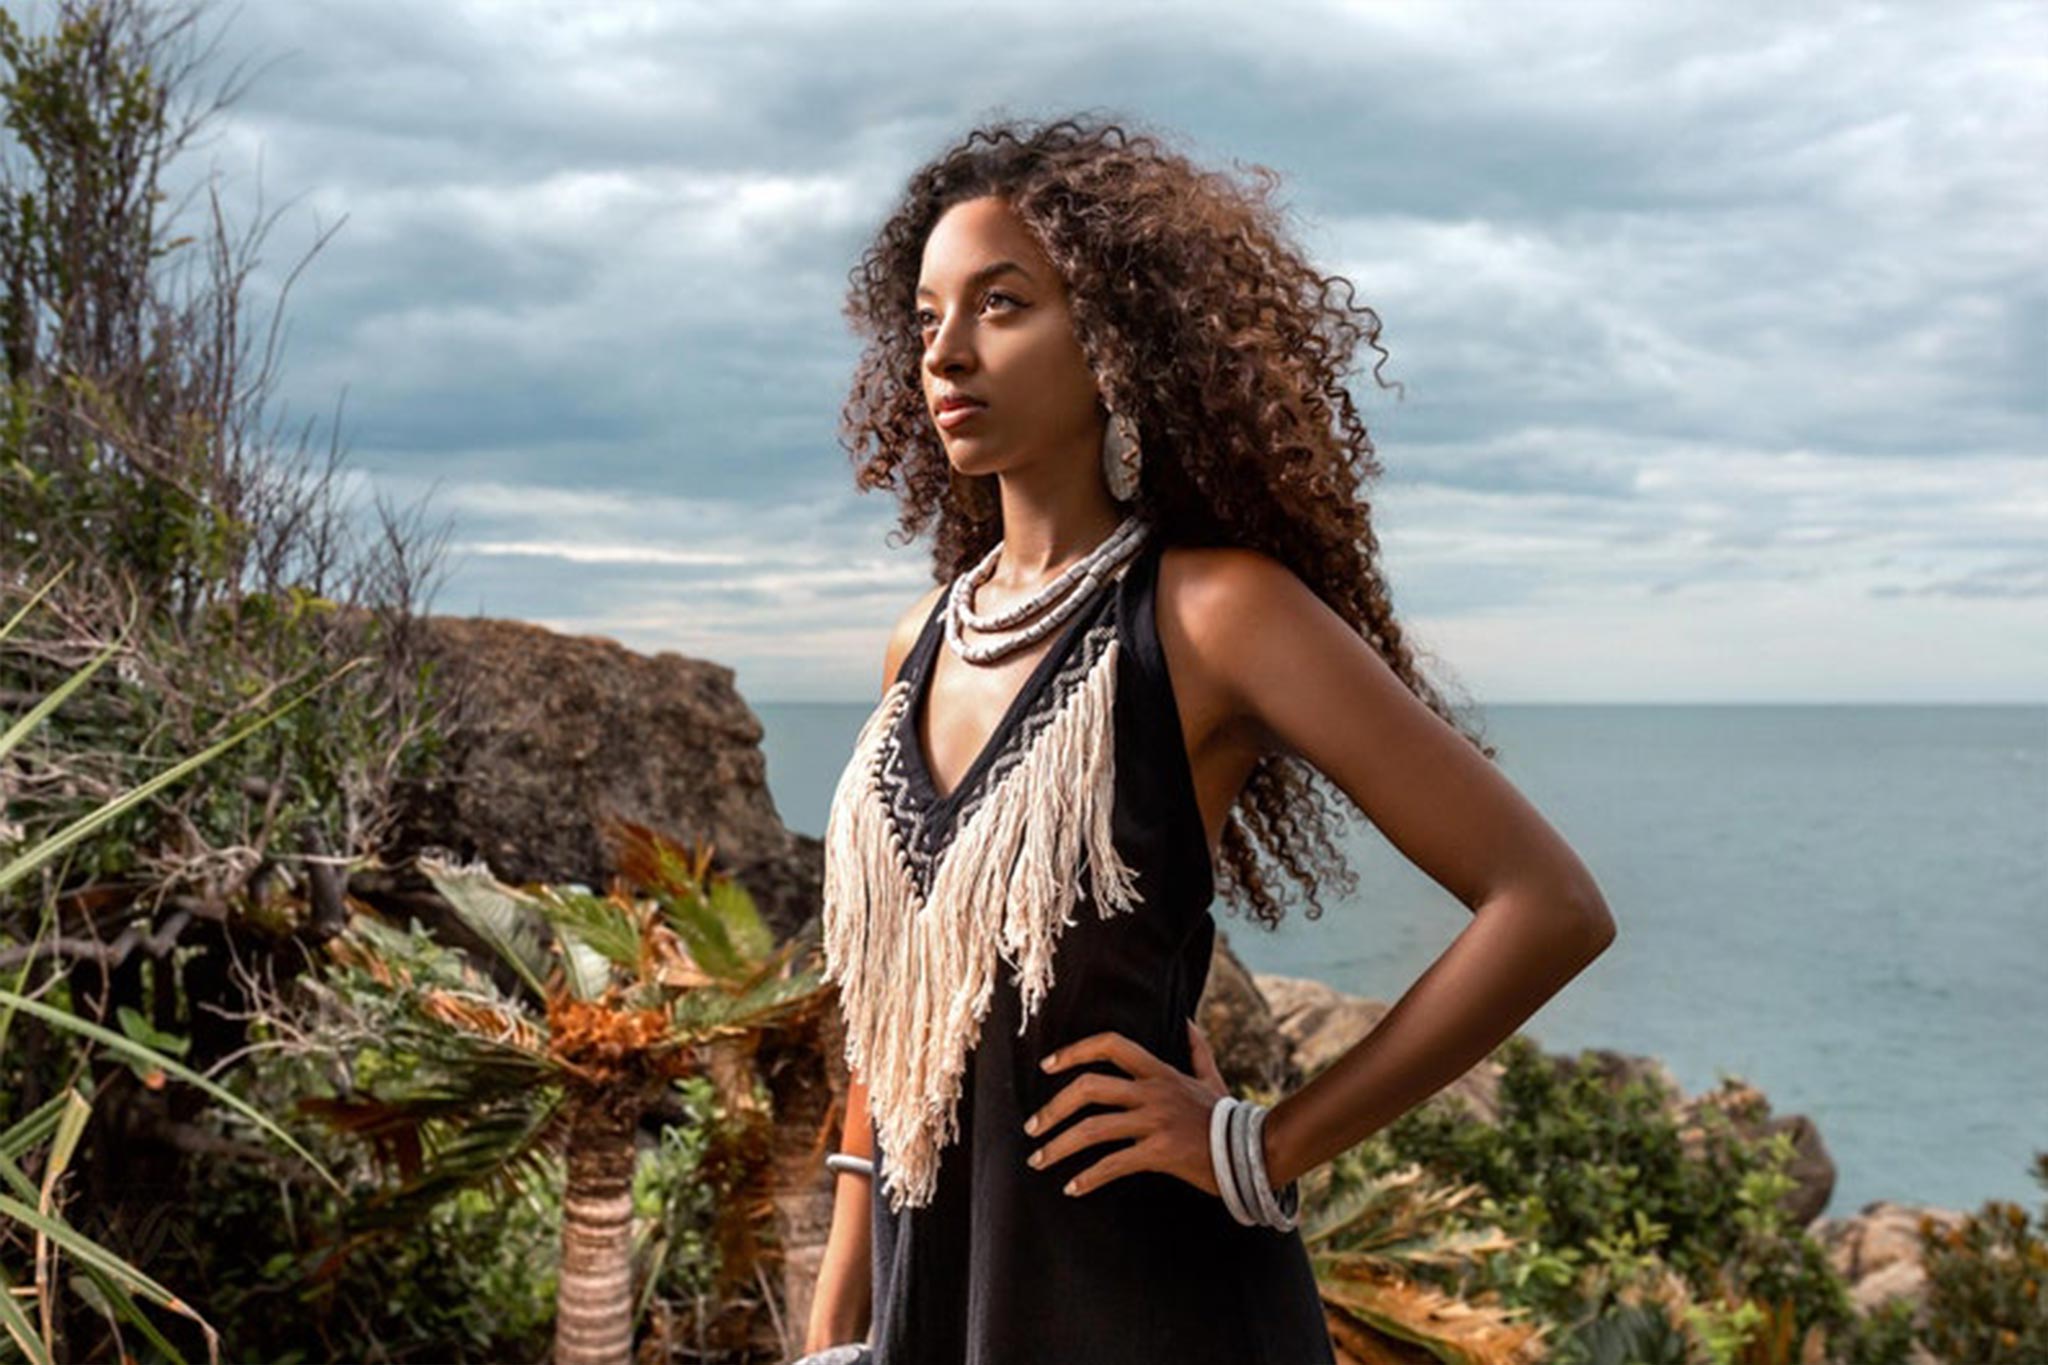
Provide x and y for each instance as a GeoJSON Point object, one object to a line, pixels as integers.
{"type": "Point", "coordinates": [842, 1304]}
{"type": "Point", "coordinates": [843, 1301]}
{"type": "Point", "coordinates": [1312, 687]}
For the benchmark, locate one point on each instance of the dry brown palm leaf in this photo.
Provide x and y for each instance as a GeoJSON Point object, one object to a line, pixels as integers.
{"type": "Point", "coordinates": [497, 1022]}
{"type": "Point", "coordinates": [1456, 1331]}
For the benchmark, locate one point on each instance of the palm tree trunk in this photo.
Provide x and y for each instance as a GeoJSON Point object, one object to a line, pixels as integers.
{"type": "Point", "coordinates": [594, 1307]}
{"type": "Point", "coordinates": [804, 1068]}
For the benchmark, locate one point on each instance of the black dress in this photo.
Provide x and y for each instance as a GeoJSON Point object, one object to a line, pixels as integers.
{"type": "Point", "coordinates": [1002, 1267]}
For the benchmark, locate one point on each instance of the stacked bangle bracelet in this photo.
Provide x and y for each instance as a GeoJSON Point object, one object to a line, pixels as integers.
{"type": "Point", "coordinates": [846, 1161]}
{"type": "Point", "coordinates": [1237, 1149]}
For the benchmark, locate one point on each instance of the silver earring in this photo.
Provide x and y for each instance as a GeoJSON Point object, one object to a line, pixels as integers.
{"type": "Point", "coordinates": [1122, 458]}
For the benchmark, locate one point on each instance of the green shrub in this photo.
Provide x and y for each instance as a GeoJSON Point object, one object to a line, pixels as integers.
{"type": "Point", "coordinates": [275, 1265]}
{"type": "Point", "coordinates": [1603, 1198]}
{"type": "Point", "coordinates": [1987, 1283]}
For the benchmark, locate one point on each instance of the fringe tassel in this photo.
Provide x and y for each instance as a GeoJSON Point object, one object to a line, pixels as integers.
{"type": "Point", "coordinates": [916, 976]}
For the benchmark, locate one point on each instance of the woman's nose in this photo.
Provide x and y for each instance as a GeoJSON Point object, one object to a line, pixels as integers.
{"type": "Point", "coordinates": [949, 351]}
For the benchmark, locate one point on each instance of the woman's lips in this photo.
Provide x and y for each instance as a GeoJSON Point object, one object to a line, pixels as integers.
{"type": "Point", "coordinates": [953, 417]}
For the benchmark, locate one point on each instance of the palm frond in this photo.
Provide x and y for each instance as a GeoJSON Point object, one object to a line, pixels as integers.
{"type": "Point", "coordinates": [599, 922]}
{"type": "Point", "coordinates": [502, 917]}
{"type": "Point", "coordinates": [1457, 1331]}
{"type": "Point", "coordinates": [713, 915]}
{"type": "Point", "coordinates": [501, 1150]}
{"type": "Point", "coordinates": [734, 907]}
{"type": "Point", "coordinates": [711, 1012]}
{"type": "Point", "coordinates": [587, 971]}
{"type": "Point", "coordinates": [1401, 1217]}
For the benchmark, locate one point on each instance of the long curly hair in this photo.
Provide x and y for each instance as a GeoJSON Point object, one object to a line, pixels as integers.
{"type": "Point", "coordinates": [1204, 322]}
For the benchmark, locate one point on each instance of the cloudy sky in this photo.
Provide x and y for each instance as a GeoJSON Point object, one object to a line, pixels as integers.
{"type": "Point", "coordinates": [1722, 325]}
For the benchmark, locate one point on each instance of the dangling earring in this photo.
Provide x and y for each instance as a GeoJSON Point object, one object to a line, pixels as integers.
{"type": "Point", "coordinates": [1122, 458]}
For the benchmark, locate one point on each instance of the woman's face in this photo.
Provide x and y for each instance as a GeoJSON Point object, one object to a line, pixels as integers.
{"type": "Point", "coordinates": [993, 313]}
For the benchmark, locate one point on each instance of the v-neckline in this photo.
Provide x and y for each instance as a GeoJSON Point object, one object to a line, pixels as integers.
{"type": "Point", "coordinates": [1034, 681]}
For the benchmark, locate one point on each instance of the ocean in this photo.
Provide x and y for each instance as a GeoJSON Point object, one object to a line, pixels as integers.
{"type": "Point", "coordinates": [1845, 905]}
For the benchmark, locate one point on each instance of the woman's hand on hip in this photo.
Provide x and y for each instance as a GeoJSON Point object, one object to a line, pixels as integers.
{"type": "Point", "coordinates": [1164, 1109]}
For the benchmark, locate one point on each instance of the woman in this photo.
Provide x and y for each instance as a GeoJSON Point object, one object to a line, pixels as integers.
{"type": "Point", "coordinates": [1117, 389]}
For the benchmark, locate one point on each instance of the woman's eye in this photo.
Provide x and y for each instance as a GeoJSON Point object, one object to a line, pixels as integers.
{"type": "Point", "coordinates": [926, 319]}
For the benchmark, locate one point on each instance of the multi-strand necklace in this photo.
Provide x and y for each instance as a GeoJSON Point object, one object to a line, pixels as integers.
{"type": "Point", "coordinates": [1045, 609]}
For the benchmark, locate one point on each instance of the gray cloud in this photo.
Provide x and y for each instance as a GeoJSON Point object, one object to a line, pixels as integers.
{"type": "Point", "coordinates": [1693, 304]}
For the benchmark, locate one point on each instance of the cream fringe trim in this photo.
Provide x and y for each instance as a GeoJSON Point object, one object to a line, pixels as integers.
{"type": "Point", "coordinates": [916, 978]}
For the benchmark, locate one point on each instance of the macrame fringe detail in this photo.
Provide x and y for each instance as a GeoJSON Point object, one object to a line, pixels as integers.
{"type": "Point", "coordinates": [916, 975]}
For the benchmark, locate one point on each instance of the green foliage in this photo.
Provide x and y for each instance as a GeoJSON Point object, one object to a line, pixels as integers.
{"type": "Point", "coordinates": [133, 446]}
{"type": "Point", "coordinates": [1603, 1198]}
{"type": "Point", "coordinates": [1885, 1335]}
{"type": "Point", "coordinates": [1987, 1283]}
{"type": "Point", "coordinates": [294, 1273]}
{"type": "Point", "coordinates": [1633, 1334]}
{"type": "Point", "coordinates": [678, 1255]}
{"type": "Point", "coordinates": [297, 1274]}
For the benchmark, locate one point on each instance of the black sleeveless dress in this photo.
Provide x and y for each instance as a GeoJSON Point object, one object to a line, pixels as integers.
{"type": "Point", "coordinates": [1002, 1267]}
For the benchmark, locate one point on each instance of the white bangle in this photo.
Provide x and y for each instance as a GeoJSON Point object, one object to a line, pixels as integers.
{"type": "Point", "coordinates": [1276, 1213]}
{"type": "Point", "coordinates": [1219, 1157]}
{"type": "Point", "coordinates": [847, 1161]}
{"type": "Point", "coordinates": [1237, 1152]}
{"type": "Point", "coordinates": [1241, 1152]}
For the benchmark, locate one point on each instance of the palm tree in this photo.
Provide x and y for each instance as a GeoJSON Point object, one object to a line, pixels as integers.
{"type": "Point", "coordinates": [610, 999]}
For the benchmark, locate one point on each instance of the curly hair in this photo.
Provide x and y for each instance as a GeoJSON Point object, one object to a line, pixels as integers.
{"type": "Point", "coordinates": [1204, 322]}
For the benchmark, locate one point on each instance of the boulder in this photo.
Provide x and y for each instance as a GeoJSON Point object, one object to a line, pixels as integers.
{"type": "Point", "coordinates": [1877, 1250]}
{"type": "Point", "coordinates": [551, 733]}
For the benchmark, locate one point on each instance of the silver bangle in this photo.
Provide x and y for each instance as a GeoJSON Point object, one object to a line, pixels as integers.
{"type": "Point", "coordinates": [1241, 1162]}
{"type": "Point", "coordinates": [847, 1161]}
{"type": "Point", "coordinates": [1219, 1157]}
{"type": "Point", "coordinates": [1237, 1151]}
{"type": "Point", "coordinates": [1276, 1213]}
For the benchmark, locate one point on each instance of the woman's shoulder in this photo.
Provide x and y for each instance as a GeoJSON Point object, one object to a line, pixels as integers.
{"type": "Point", "coordinates": [1208, 600]}
{"type": "Point", "coordinates": [1212, 589]}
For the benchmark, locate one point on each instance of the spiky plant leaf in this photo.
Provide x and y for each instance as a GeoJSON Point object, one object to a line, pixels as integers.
{"type": "Point", "coordinates": [705, 936]}
{"type": "Point", "coordinates": [588, 972]}
{"type": "Point", "coordinates": [502, 1150]}
{"type": "Point", "coordinates": [1454, 1330]}
{"type": "Point", "coordinates": [702, 1014]}
{"type": "Point", "coordinates": [88, 1252]}
{"type": "Point", "coordinates": [599, 922]}
{"type": "Point", "coordinates": [116, 1301]}
{"type": "Point", "coordinates": [501, 916]}
{"type": "Point", "coordinates": [129, 1050]}
{"type": "Point", "coordinates": [1402, 1218]}
{"type": "Point", "coordinates": [734, 907]}
{"type": "Point", "coordinates": [34, 1127]}
{"type": "Point", "coordinates": [18, 1326]}
{"type": "Point", "coordinates": [1633, 1334]}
